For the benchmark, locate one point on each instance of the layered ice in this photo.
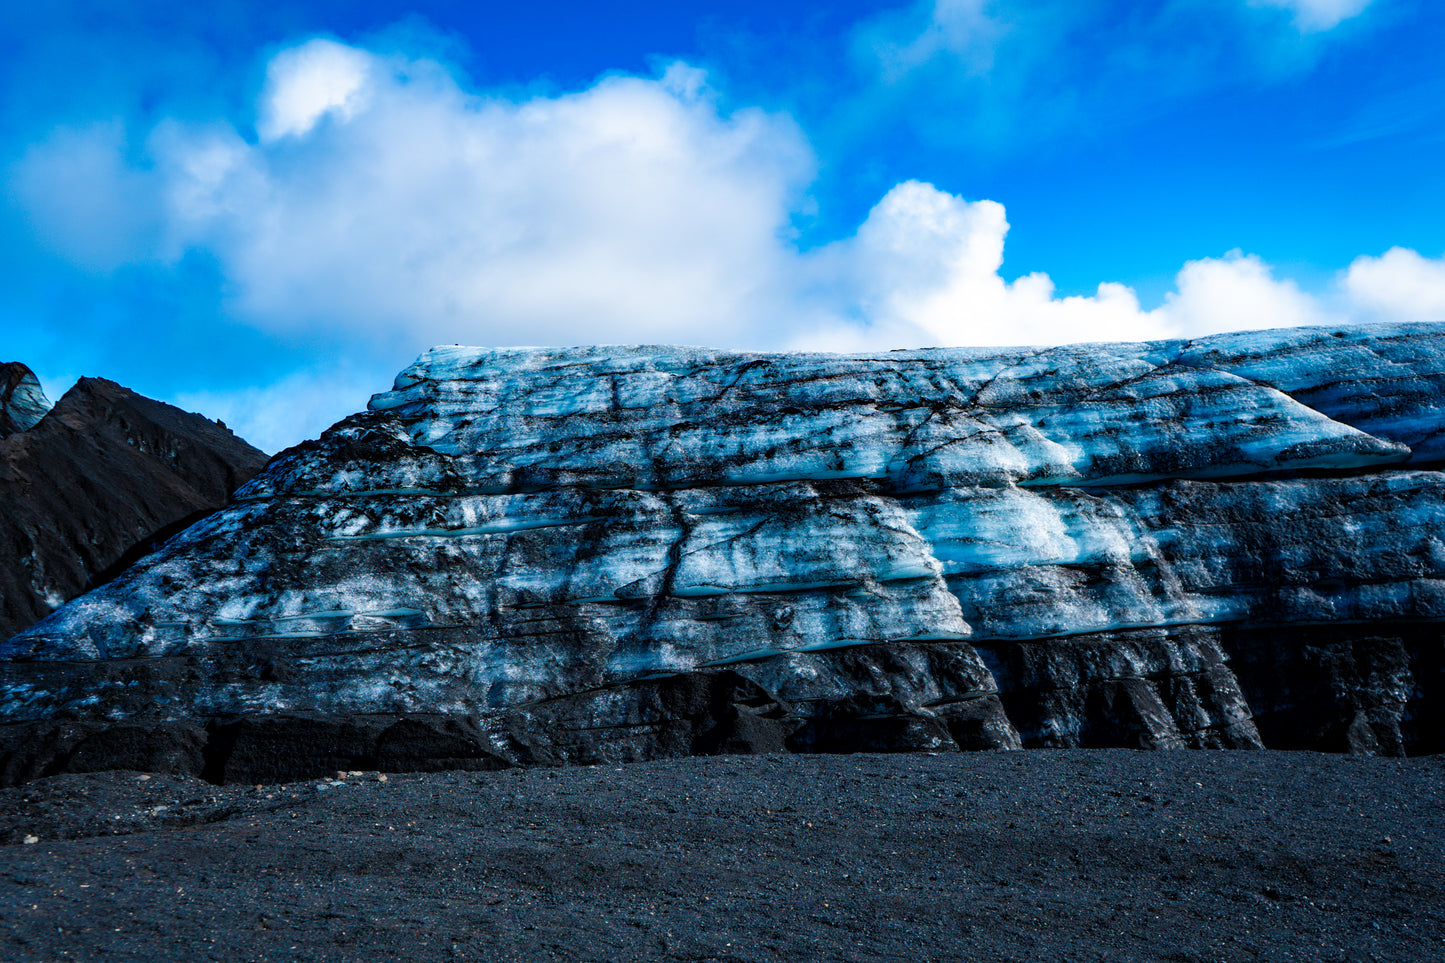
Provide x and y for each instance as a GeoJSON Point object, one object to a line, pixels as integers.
{"type": "Point", "coordinates": [1083, 532]}
{"type": "Point", "coordinates": [22, 401]}
{"type": "Point", "coordinates": [672, 418]}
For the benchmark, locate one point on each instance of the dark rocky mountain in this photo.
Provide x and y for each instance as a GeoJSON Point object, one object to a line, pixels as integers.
{"type": "Point", "coordinates": [100, 477]}
{"type": "Point", "coordinates": [538, 556]}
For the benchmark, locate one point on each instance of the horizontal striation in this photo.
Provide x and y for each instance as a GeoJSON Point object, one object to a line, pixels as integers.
{"type": "Point", "coordinates": [613, 553]}
{"type": "Point", "coordinates": [638, 417]}
{"type": "Point", "coordinates": [1029, 563]}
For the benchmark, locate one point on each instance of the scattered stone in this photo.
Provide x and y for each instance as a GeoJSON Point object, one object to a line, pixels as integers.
{"type": "Point", "coordinates": [1038, 856]}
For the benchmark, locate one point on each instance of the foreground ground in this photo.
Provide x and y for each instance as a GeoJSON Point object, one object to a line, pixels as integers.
{"type": "Point", "coordinates": [1088, 855]}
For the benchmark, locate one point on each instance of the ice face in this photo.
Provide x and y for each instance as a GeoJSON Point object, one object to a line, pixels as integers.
{"type": "Point", "coordinates": [507, 528]}
{"type": "Point", "coordinates": [22, 402]}
{"type": "Point", "coordinates": [1028, 563]}
{"type": "Point", "coordinates": [1388, 380]}
{"type": "Point", "coordinates": [651, 418]}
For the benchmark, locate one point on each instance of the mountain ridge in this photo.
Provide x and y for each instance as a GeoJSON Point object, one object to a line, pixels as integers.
{"type": "Point", "coordinates": [102, 470]}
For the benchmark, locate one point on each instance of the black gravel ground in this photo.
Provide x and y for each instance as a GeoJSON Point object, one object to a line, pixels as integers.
{"type": "Point", "coordinates": [1087, 855]}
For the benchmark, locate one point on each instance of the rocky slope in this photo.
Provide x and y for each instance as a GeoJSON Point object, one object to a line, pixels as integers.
{"type": "Point", "coordinates": [543, 556]}
{"type": "Point", "coordinates": [86, 482]}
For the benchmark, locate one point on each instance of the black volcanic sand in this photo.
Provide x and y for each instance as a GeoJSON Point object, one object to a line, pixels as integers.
{"type": "Point", "coordinates": [1044, 855]}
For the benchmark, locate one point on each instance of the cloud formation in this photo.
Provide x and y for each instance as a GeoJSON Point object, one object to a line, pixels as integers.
{"type": "Point", "coordinates": [1315, 15]}
{"type": "Point", "coordinates": [1001, 75]}
{"type": "Point", "coordinates": [379, 206]}
{"type": "Point", "coordinates": [382, 197]}
{"type": "Point", "coordinates": [380, 200]}
{"type": "Point", "coordinates": [306, 83]}
{"type": "Point", "coordinates": [1399, 285]}
{"type": "Point", "coordinates": [1041, 37]}
{"type": "Point", "coordinates": [924, 269]}
{"type": "Point", "coordinates": [961, 29]}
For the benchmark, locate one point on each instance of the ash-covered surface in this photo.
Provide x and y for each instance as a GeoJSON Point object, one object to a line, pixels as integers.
{"type": "Point", "coordinates": [1058, 855]}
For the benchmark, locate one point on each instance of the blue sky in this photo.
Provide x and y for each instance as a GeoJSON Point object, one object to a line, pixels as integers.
{"type": "Point", "coordinates": [262, 212]}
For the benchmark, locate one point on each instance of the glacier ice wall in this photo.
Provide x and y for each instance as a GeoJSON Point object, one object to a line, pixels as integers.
{"type": "Point", "coordinates": [562, 555]}
{"type": "Point", "coordinates": [22, 400]}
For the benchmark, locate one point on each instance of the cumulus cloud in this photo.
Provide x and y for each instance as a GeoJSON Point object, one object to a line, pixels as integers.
{"type": "Point", "coordinates": [1314, 15]}
{"type": "Point", "coordinates": [1235, 293]}
{"type": "Point", "coordinates": [382, 197]}
{"type": "Point", "coordinates": [924, 269]}
{"type": "Point", "coordinates": [380, 207]}
{"type": "Point", "coordinates": [1399, 285]}
{"type": "Point", "coordinates": [633, 211]}
{"type": "Point", "coordinates": [304, 84]}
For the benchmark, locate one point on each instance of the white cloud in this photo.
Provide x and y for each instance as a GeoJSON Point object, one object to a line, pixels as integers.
{"type": "Point", "coordinates": [305, 83]}
{"type": "Point", "coordinates": [399, 211]}
{"type": "Point", "coordinates": [961, 29]}
{"type": "Point", "coordinates": [1314, 15]}
{"type": "Point", "coordinates": [924, 269]}
{"type": "Point", "coordinates": [1399, 285]}
{"type": "Point", "coordinates": [632, 211]}
{"type": "Point", "coordinates": [430, 214]}
{"type": "Point", "coordinates": [1236, 293]}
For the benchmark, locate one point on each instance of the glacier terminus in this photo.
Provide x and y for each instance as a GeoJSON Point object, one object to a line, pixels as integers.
{"type": "Point", "coordinates": [549, 556]}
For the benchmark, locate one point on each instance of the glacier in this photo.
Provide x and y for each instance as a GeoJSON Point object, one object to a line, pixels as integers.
{"type": "Point", "coordinates": [609, 553]}
{"type": "Point", "coordinates": [22, 400]}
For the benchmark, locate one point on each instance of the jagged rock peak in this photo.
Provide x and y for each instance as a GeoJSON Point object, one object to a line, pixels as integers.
{"type": "Point", "coordinates": [22, 401]}
{"type": "Point", "coordinates": [104, 475]}
{"type": "Point", "coordinates": [609, 553]}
